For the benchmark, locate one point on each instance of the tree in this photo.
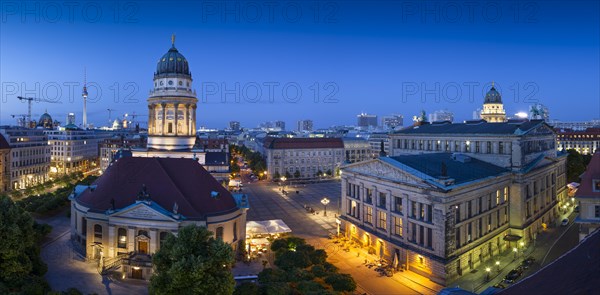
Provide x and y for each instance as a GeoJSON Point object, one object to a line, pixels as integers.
{"type": "Point", "coordinates": [328, 172]}
{"type": "Point", "coordinates": [297, 174]}
{"type": "Point", "coordinates": [20, 263]}
{"type": "Point", "coordinates": [288, 175]}
{"type": "Point", "coordinates": [276, 176]}
{"type": "Point", "coordinates": [575, 165]}
{"type": "Point", "coordinates": [341, 282]}
{"type": "Point", "coordinates": [247, 289]}
{"type": "Point", "coordinates": [194, 262]}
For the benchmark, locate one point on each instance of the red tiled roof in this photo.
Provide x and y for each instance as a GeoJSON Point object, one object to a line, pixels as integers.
{"type": "Point", "coordinates": [3, 143]}
{"type": "Point", "coordinates": [302, 143]}
{"type": "Point", "coordinates": [167, 180]}
{"type": "Point", "coordinates": [592, 172]}
{"type": "Point", "coordinates": [576, 272]}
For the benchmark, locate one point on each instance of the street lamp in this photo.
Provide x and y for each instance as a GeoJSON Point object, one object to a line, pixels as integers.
{"type": "Point", "coordinates": [515, 251]}
{"type": "Point", "coordinates": [498, 265]}
{"type": "Point", "coordinates": [325, 201]}
{"type": "Point", "coordinates": [487, 273]}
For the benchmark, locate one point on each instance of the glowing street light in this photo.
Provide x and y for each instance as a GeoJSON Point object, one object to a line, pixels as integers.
{"type": "Point", "coordinates": [515, 251]}
{"type": "Point", "coordinates": [498, 265]}
{"type": "Point", "coordinates": [325, 201]}
{"type": "Point", "coordinates": [487, 273]}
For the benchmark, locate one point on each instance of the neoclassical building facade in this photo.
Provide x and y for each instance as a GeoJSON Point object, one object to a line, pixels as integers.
{"type": "Point", "coordinates": [453, 196]}
{"type": "Point", "coordinates": [123, 218]}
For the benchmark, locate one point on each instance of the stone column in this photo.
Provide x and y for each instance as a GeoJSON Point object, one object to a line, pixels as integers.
{"type": "Point", "coordinates": [495, 147]}
{"type": "Point", "coordinates": [150, 131]}
{"type": "Point", "coordinates": [130, 239]}
{"type": "Point", "coordinates": [187, 119]}
{"type": "Point", "coordinates": [194, 120]}
{"type": "Point", "coordinates": [162, 130]}
{"type": "Point", "coordinates": [176, 119]}
{"type": "Point", "coordinates": [153, 240]}
{"type": "Point", "coordinates": [111, 241]}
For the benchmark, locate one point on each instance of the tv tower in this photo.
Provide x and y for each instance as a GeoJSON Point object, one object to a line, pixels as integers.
{"type": "Point", "coordinates": [84, 94]}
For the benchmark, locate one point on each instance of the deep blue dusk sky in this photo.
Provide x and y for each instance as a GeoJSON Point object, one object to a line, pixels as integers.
{"type": "Point", "coordinates": [379, 57]}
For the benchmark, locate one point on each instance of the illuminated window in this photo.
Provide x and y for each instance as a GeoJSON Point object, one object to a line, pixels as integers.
{"type": "Point", "coordinates": [398, 226]}
{"type": "Point", "coordinates": [122, 238]}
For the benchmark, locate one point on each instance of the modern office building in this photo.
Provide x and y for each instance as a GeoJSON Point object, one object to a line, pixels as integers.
{"type": "Point", "coordinates": [441, 116]}
{"type": "Point", "coordinates": [234, 125]}
{"type": "Point", "coordinates": [392, 122]}
{"type": "Point", "coordinates": [74, 150]}
{"type": "Point", "coordinates": [29, 156]}
{"type": "Point", "coordinates": [365, 120]}
{"type": "Point", "coordinates": [305, 126]}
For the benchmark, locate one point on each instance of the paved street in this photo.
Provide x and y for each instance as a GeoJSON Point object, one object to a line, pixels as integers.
{"type": "Point", "coordinates": [66, 269]}
{"type": "Point", "coordinates": [550, 244]}
{"type": "Point", "coordinates": [267, 202]}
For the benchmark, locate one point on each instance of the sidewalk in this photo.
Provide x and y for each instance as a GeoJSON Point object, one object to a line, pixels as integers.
{"type": "Point", "coordinates": [367, 279]}
{"type": "Point", "coordinates": [476, 281]}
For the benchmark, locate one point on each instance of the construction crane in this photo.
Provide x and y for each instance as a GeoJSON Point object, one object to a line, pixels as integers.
{"type": "Point", "coordinates": [30, 99]}
{"type": "Point", "coordinates": [109, 114]}
{"type": "Point", "coordinates": [21, 120]}
{"type": "Point", "coordinates": [134, 115]}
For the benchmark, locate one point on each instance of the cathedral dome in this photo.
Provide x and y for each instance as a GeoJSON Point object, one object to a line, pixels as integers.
{"type": "Point", "coordinates": [172, 63]}
{"type": "Point", "coordinates": [493, 96]}
{"type": "Point", "coordinates": [45, 120]}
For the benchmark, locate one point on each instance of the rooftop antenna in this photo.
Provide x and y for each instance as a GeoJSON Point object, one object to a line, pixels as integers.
{"type": "Point", "coordinates": [173, 40]}
{"type": "Point", "coordinates": [84, 94]}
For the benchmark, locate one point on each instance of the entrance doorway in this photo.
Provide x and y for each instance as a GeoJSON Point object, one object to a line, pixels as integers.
{"type": "Point", "coordinates": [143, 247]}
{"type": "Point", "coordinates": [136, 273]}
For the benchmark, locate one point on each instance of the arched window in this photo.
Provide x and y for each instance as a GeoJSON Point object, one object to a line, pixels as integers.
{"type": "Point", "coordinates": [219, 233]}
{"type": "Point", "coordinates": [235, 231]}
{"type": "Point", "coordinates": [142, 232]}
{"type": "Point", "coordinates": [97, 233]}
{"type": "Point", "coordinates": [122, 238]}
{"type": "Point", "coordinates": [163, 238]}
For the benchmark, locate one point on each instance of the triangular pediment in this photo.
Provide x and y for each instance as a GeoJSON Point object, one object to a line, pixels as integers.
{"type": "Point", "coordinates": [541, 129]}
{"type": "Point", "coordinates": [143, 211]}
{"type": "Point", "coordinates": [382, 169]}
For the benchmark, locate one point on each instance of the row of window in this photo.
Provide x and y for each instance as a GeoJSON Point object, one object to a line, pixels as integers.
{"type": "Point", "coordinates": [453, 146]}
{"type": "Point", "coordinates": [122, 234]}
{"type": "Point", "coordinates": [478, 228]}
{"type": "Point", "coordinates": [417, 210]}
{"type": "Point", "coordinates": [480, 205]}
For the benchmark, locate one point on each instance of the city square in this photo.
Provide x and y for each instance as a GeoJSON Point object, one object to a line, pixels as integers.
{"type": "Point", "coordinates": [299, 147]}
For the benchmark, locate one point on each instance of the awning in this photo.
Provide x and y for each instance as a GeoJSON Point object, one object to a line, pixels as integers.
{"type": "Point", "coordinates": [512, 238]}
{"type": "Point", "coordinates": [271, 227]}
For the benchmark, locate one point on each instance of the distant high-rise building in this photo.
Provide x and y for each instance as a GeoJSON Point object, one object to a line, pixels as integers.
{"type": "Point", "coordinates": [234, 125]}
{"type": "Point", "coordinates": [305, 125]}
{"type": "Point", "coordinates": [441, 115]}
{"type": "Point", "coordinates": [477, 114]}
{"type": "Point", "coordinates": [539, 111]}
{"type": "Point", "coordinates": [392, 121]}
{"type": "Point", "coordinates": [71, 119]}
{"type": "Point", "coordinates": [366, 120]}
{"type": "Point", "coordinates": [280, 125]}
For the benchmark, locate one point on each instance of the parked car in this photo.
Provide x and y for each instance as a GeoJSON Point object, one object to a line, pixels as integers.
{"type": "Point", "coordinates": [565, 222]}
{"type": "Point", "coordinates": [512, 276]}
{"type": "Point", "coordinates": [499, 286]}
